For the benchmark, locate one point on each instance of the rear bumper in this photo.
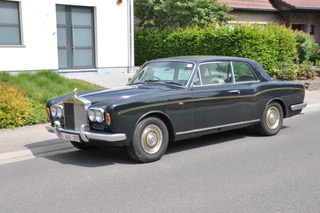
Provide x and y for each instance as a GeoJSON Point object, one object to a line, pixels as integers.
{"type": "Point", "coordinates": [85, 135]}
{"type": "Point", "coordinates": [296, 107]}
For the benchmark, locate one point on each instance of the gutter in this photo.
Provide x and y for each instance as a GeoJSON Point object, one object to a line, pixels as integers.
{"type": "Point", "coordinates": [131, 35]}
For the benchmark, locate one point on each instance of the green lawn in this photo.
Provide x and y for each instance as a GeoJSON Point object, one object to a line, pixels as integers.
{"type": "Point", "coordinates": [39, 87]}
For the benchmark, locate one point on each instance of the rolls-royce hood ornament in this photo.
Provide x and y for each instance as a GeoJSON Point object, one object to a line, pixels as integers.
{"type": "Point", "coordinates": [75, 91]}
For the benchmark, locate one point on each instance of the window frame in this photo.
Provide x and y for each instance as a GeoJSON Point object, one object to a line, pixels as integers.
{"type": "Point", "coordinates": [197, 76]}
{"type": "Point", "coordinates": [250, 68]}
{"type": "Point", "coordinates": [16, 25]}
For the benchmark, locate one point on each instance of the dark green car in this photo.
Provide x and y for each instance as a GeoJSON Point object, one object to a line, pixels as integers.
{"type": "Point", "coordinates": [173, 99]}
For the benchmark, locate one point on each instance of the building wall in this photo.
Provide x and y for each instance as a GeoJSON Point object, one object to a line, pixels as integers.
{"type": "Point", "coordinates": [39, 35]}
{"type": "Point", "coordinates": [309, 20]}
{"type": "Point", "coordinates": [254, 17]}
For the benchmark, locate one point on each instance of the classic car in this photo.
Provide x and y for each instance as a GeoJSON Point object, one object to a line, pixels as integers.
{"type": "Point", "coordinates": [173, 99]}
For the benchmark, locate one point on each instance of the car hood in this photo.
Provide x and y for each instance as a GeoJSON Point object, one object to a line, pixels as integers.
{"type": "Point", "coordinates": [125, 92]}
{"type": "Point", "coordinates": [108, 96]}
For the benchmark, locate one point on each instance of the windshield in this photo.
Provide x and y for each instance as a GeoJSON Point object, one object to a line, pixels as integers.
{"type": "Point", "coordinates": [176, 73]}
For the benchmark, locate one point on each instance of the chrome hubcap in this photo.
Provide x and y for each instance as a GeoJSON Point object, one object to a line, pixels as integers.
{"type": "Point", "coordinates": [151, 139]}
{"type": "Point", "coordinates": [273, 117]}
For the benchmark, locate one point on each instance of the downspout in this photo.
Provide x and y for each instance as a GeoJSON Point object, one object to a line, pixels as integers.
{"type": "Point", "coordinates": [131, 36]}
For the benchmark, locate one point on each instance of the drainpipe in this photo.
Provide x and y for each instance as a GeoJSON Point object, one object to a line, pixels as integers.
{"type": "Point", "coordinates": [131, 36]}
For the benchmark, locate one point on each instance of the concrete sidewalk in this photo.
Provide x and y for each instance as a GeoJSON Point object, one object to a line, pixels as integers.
{"type": "Point", "coordinates": [35, 140]}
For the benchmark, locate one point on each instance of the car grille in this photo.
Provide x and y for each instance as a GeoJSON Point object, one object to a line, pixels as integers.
{"type": "Point", "coordinates": [74, 115]}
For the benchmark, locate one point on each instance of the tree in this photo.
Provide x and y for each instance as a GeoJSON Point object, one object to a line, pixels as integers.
{"type": "Point", "coordinates": [180, 13]}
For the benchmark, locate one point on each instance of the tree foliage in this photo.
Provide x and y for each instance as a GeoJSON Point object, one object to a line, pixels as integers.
{"type": "Point", "coordinates": [172, 13]}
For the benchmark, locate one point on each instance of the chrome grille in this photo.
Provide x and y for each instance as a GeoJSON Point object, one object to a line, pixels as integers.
{"type": "Point", "coordinates": [68, 116]}
{"type": "Point", "coordinates": [75, 112]}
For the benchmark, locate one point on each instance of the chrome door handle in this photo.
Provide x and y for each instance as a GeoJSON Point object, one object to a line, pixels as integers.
{"type": "Point", "coordinates": [235, 91]}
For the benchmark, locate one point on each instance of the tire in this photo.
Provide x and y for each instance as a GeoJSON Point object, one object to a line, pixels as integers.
{"type": "Point", "coordinates": [81, 146]}
{"type": "Point", "coordinates": [150, 140]}
{"type": "Point", "coordinates": [271, 120]}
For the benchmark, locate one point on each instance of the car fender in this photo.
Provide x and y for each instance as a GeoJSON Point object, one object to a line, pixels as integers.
{"type": "Point", "coordinates": [281, 102]}
{"type": "Point", "coordinates": [164, 117]}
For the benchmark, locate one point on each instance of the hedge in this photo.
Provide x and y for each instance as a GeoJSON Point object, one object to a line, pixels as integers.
{"type": "Point", "coordinates": [268, 45]}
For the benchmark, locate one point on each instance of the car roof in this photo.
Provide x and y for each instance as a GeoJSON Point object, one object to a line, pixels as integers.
{"type": "Point", "coordinates": [202, 59]}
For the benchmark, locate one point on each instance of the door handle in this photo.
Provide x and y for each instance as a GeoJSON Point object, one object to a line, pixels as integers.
{"type": "Point", "coordinates": [234, 91]}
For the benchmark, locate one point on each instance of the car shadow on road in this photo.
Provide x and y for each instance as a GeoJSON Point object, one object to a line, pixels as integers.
{"type": "Point", "coordinates": [67, 154]}
{"type": "Point", "coordinates": [93, 158]}
{"type": "Point", "coordinates": [209, 140]}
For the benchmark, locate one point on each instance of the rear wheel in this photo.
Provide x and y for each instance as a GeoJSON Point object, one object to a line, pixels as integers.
{"type": "Point", "coordinates": [271, 120]}
{"type": "Point", "coordinates": [150, 140]}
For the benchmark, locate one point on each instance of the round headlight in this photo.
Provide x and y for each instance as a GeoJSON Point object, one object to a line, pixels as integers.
{"type": "Point", "coordinates": [60, 112]}
{"type": "Point", "coordinates": [53, 111]}
{"type": "Point", "coordinates": [91, 115]}
{"type": "Point", "coordinates": [99, 116]}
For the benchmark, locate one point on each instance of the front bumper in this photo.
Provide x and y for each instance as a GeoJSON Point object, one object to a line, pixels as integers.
{"type": "Point", "coordinates": [85, 135]}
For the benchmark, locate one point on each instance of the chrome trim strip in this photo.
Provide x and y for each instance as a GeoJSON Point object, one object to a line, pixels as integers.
{"type": "Point", "coordinates": [298, 106]}
{"type": "Point", "coordinates": [207, 99]}
{"type": "Point", "coordinates": [217, 127]}
{"type": "Point", "coordinates": [86, 135]}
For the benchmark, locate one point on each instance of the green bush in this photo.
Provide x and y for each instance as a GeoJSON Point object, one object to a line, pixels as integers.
{"type": "Point", "coordinates": [268, 45]}
{"type": "Point", "coordinates": [306, 71]}
{"type": "Point", "coordinates": [284, 71]}
{"type": "Point", "coordinates": [306, 46]}
{"type": "Point", "coordinates": [291, 71]}
{"type": "Point", "coordinates": [14, 106]}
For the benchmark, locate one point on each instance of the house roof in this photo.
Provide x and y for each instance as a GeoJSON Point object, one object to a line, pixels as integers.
{"type": "Point", "coordinates": [311, 4]}
{"type": "Point", "coordinates": [267, 5]}
{"type": "Point", "coordinates": [249, 4]}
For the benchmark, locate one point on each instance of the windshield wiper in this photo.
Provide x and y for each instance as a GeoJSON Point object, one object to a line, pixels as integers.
{"type": "Point", "coordinates": [174, 83]}
{"type": "Point", "coordinates": [151, 80]}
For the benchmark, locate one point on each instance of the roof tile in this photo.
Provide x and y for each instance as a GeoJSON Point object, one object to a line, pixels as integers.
{"type": "Point", "coordinates": [303, 4]}
{"type": "Point", "coordinates": [249, 4]}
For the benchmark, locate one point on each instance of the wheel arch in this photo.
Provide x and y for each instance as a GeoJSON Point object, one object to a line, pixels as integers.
{"type": "Point", "coordinates": [165, 118]}
{"type": "Point", "coordinates": [282, 104]}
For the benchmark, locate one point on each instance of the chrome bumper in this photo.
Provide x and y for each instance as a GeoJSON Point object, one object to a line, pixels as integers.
{"type": "Point", "coordinates": [298, 106]}
{"type": "Point", "coordinates": [86, 135]}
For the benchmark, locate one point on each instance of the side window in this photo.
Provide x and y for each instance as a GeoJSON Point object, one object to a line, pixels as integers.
{"type": "Point", "coordinates": [9, 23]}
{"type": "Point", "coordinates": [243, 73]}
{"type": "Point", "coordinates": [215, 73]}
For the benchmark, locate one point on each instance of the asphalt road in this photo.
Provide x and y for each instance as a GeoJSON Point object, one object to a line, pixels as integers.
{"type": "Point", "coordinates": [235, 171]}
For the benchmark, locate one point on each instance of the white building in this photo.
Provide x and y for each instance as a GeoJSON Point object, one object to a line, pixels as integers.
{"type": "Point", "coordinates": [66, 35]}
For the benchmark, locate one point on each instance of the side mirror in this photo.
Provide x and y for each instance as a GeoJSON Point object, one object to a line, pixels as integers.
{"type": "Point", "coordinates": [195, 82]}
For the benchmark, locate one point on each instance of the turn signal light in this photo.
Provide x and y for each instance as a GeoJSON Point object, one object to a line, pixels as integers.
{"type": "Point", "coordinates": [108, 118]}
{"type": "Point", "coordinates": [48, 111]}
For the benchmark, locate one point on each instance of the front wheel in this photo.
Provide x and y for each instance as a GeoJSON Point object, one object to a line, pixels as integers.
{"type": "Point", "coordinates": [271, 120]}
{"type": "Point", "coordinates": [150, 140]}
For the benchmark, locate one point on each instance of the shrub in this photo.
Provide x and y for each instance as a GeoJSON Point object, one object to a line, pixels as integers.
{"type": "Point", "coordinates": [284, 71]}
{"type": "Point", "coordinates": [306, 46]}
{"type": "Point", "coordinates": [306, 71]}
{"type": "Point", "coordinates": [268, 45]}
{"type": "Point", "coordinates": [14, 106]}
{"type": "Point", "coordinates": [291, 71]}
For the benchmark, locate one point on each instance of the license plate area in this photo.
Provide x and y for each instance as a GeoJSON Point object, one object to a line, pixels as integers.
{"type": "Point", "coordinates": [69, 137]}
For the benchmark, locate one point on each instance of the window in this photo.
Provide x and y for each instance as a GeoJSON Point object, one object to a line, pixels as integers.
{"type": "Point", "coordinates": [312, 29]}
{"type": "Point", "coordinates": [76, 45]}
{"type": "Point", "coordinates": [299, 27]}
{"type": "Point", "coordinates": [242, 72]}
{"type": "Point", "coordinates": [164, 72]}
{"type": "Point", "coordinates": [215, 73]}
{"type": "Point", "coordinates": [9, 23]}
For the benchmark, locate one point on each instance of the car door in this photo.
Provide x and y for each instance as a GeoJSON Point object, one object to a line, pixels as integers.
{"type": "Point", "coordinates": [247, 81]}
{"type": "Point", "coordinates": [217, 100]}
